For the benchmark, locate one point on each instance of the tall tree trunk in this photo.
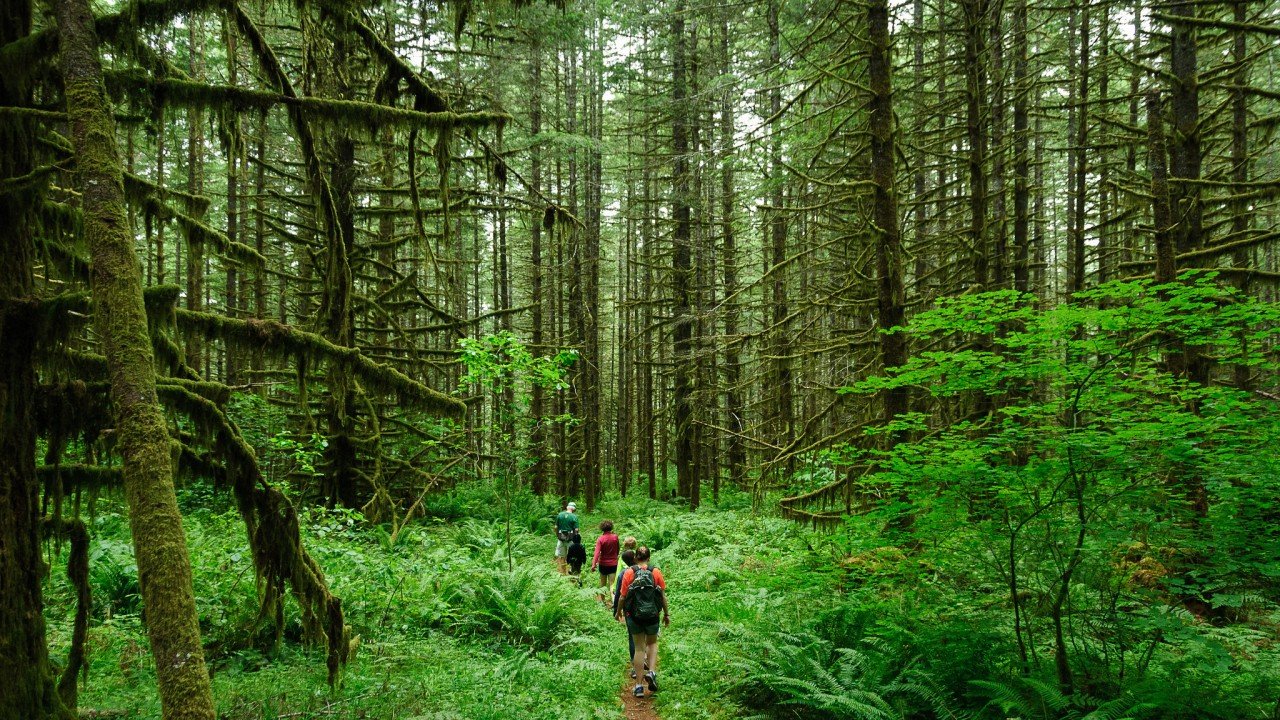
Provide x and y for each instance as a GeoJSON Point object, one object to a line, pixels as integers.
{"type": "Point", "coordinates": [1162, 214]}
{"type": "Point", "coordinates": [537, 441]}
{"type": "Point", "coordinates": [1185, 161]}
{"type": "Point", "coordinates": [1079, 142]}
{"type": "Point", "coordinates": [342, 476]}
{"type": "Point", "coordinates": [734, 408]}
{"type": "Point", "coordinates": [164, 569]}
{"type": "Point", "coordinates": [195, 186]}
{"type": "Point", "coordinates": [593, 107]}
{"type": "Point", "coordinates": [784, 411]}
{"type": "Point", "coordinates": [1184, 151]}
{"type": "Point", "coordinates": [999, 223]}
{"type": "Point", "coordinates": [1240, 168]}
{"type": "Point", "coordinates": [976, 14]}
{"type": "Point", "coordinates": [890, 296]}
{"type": "Point", "coordinates": [1021, 159]}
{"type": "Point", "coordinates": [24, 657]}
{"type": "Point", "coordinates": [681, 263]}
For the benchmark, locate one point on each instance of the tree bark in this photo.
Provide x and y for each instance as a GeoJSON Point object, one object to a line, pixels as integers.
{"type": "Point", "coordinates": [734, 408]}
{"type": "Point", "coordinates": [776, 241]}
{"type": "Point", "coordinates": [681, 265]}
{"type": "Point", "coordinates": [976, 17]}
{"type": "Point", "coordinates": [1021, 159]}
{"type": "Point", "coordinates": [890, 299]}
{"type": "Point", "coordinates": [28, 686]}
{"type": "Point", "coordinates": [164, 570]}
{"type": "Point", "coordinates": [537, 441]}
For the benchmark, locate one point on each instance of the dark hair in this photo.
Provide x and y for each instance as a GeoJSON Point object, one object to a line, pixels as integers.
{"type": "Point", "coordinates": [642, 553]}
{"type": "Point", "coordinates": [606, 526]}
{"type": "Point", "coordinates": [629, 557]}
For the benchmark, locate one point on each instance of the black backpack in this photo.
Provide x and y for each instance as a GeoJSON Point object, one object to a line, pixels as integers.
{"type": "Point", "coordinates": [644, 598]}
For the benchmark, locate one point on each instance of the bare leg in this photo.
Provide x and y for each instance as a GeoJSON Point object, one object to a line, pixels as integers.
{"type": "Point", "coordinates": [651, 653]}
{"type": "Point", "coordinates": [637, 660]}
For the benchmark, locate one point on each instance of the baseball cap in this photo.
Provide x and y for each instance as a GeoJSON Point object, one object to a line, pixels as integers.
{"type": "Point", "coordinates": [572, 506]}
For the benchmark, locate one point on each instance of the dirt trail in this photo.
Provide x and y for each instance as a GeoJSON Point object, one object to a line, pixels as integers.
{"type": "Point", "coordinates": [634, 708]}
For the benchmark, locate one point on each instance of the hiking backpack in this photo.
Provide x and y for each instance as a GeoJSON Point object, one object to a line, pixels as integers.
{"type": "Point", "coordinates": [644, 598]}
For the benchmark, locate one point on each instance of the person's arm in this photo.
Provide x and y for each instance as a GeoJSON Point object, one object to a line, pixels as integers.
{"type": "Point", "coordinates": [662, 583]}
{"type": "Point", "coordinates": [595, 559]}
{"type": "Point", "coordinates": [622, 592]}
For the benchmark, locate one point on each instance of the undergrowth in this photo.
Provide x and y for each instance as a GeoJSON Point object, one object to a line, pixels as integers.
{"type": "Point", "coordinates": [769, 620]}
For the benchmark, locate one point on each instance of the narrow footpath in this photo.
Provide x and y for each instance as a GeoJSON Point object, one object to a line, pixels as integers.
{"type": "Point", "coordinates": [634, 708]}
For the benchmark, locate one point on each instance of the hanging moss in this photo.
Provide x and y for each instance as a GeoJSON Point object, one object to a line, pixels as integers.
{"type": "Point", "coordinates": [64, 411]}
{"type": "Point", "coordinates": [24, 58]}
{"type": "Point", "coordinates": [78, 576]}
{"type": "Point", "coordinates": [77, 363]}
{"type": "Point", "coordinates": [195, 230]}
{"type": "Point", "coordinates": [28, 182]}
{"type": "Point", "coordinates": [556, 215]}
{"type": "Point", "coordinates": [90, 477]}
{"type": "Point", "coordinates": [286, 341]}
{"type": "Point", "coordinates": [139, 188]}
{"type": "Point", "coordinates": [271, 521]}
{"type": "Point", "coordinates": [169, 92]}
{"type": "Point", "coordinates": [426, 98]}
{"type": "Point", "coordinates": [60, 316]}
{"type": "Point", "coordinates": [170, 356]}
{"type": "Point", "coordinates": [64, 261]}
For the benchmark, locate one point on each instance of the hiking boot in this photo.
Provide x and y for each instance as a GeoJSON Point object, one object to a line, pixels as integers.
{"type": "Point", "coordinates": [651, 677]}
{"type": "Point", "coordinates": [639, 691]}
{"type": "Point", "coordinates": [633, 673]}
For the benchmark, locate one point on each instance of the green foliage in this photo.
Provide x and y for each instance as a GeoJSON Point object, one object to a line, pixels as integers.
{"type": "Point", "coordinates": [770, 619]}
{"type": "Point", "coordinates": [113, 580]}
{"type": "Point", "coordinates": [501, 361]}
{"type": "Point", "coordinates": [822, 680]}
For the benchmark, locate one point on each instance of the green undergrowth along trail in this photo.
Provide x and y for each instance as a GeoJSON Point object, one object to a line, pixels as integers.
{"type": "Point", "coordinates": [445, 630]}
{"type": "Point", "coordinates": [770, 619]}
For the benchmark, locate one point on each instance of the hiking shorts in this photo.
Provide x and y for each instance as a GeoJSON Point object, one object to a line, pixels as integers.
{"type": "Point", "coordinates": [643, 628]}
{"type": "Point", "coordinates": [607, 571]}
{"type": "Point", "coordinates": [562, 548]}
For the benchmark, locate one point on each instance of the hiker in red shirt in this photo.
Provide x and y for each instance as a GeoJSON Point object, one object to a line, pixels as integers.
{"type": "Point", "coordinates": [643, 598]}
{"type": "Point", "coordinates": [606, 558]}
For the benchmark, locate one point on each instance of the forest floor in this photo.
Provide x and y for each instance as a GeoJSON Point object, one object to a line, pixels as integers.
{"type": "Point", "coordinates": [769, 619]}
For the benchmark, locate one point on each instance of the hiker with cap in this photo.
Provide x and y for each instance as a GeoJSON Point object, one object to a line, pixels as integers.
{"type": "Point", "coordinates": [566, 525]}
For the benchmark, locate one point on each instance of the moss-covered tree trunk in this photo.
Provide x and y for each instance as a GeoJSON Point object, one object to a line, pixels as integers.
{"type": "Point", "coordinates": [164, 570]}
{"type": "Point", "coordinates": [26, 681]}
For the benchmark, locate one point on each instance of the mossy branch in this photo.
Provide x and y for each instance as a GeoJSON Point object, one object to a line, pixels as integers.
{"type": "Point", "coordinates": [284, 340]}
{"type": "Point", "coordinates": [273, 529]}
{"type": "Point", "coordinates": [184, 93]}
{"type": "Point", "coordinates": [151, 199]}
{"type": "Point", "coordinates": [78, 575]}
{"type": "Point", "coordinates": [91, 477]}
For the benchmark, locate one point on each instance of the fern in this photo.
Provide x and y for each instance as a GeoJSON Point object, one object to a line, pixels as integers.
{"type": "Point", "coordinates": [1033, 698]}
{"type": "Point", "coordinates": [861, 683]}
